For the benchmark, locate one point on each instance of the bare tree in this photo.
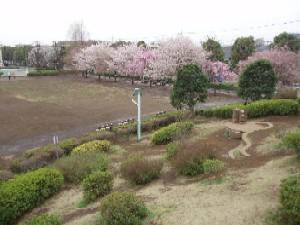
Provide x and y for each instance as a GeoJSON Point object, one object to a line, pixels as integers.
{"type": "Point", "coordinates": [77, 32]}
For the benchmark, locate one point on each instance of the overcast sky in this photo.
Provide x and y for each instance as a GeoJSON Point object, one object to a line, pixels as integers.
{"type": "Point", "coordinates": [26, 21]}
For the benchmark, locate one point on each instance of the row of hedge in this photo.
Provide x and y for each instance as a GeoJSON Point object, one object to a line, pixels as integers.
{"type": "Point", "coordinates": [43, 73]}
{"type": "Point", "coordinates": [27, 191]}
{"type": "Point", "coordinates": [223, 86]}
{"type": "Point", "coordinates": [274, 107]}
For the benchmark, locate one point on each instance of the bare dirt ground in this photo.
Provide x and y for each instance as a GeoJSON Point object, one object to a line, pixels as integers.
{"type": "Point", "coordinates": [32, 110]}
{"type": "Point", "coordinates": [244, 194]}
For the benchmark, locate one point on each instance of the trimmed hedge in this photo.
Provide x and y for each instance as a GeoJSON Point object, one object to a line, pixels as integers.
{"type": "Point", "coordinates": [290, 201]}
{"type": "Point", "coordinates": [44, 219]}
{"type": "Point", "coordinates": [152, 123]}
{"type": "Point", "coordinates": [27, 191]}
{"type": "Point", "coordinates": [274, 107]}
{"type": "Point", "coordinates": [140, 170]}
{"type": "Point", "coordinates": [97, 184]}
{"type": "Point", "coordinates": [224, 86]}
{"type": "Point", "coordinates": [122, 208]}
{"type": "Point", "coordinates": [43, 73]}
{"type": "Point", "coordinates": [93, 146]}
{"type": "Point", "coordinates": [36, 158]}
{"type": "Point", "coordinates": [167, 134]}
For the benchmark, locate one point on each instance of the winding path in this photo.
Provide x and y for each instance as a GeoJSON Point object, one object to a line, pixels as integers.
{"type": "Point", "coordinates": [247, 129]}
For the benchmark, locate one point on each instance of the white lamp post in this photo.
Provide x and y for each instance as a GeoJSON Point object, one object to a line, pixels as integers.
{"type": "Point", "coordinates": [138, 92]}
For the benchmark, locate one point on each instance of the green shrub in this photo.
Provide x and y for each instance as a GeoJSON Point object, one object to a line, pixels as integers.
{"type": "Point", "coordinates": [97, 135]}
{"type": "Point", "coordinates": [213, 166]}
{"type": "Point", "coordinates": [140, 170]}
{"type": "Point", "coordinates": [27, 191]}
{"type": "Point", "coordinates": [76, 167]}
{"type": "Point", "coordinates": [68, 144]}
{"type": "Point", "coordinates": [97, 184]}
{"type": "Point", "coordinates": [257, 81]}
{"type": "Point", "coordinates": [44, 219]}
{"type": "Point", "coordinates": [36, 158]}
{"type": "Point", "coordinates": [223, 86]}
{"type": "Point", "coordinates": [121, 208]}
{"type": "Point", "coordinates": [43, 73]}
{"type": "Point", "coordinates": [93, 146]}
{"type": "Point", "coordinates": [290, 201]}
{"type": "Point", "coordinates": [274, 107]}
{"type": "Point", "coordinates": [172, 149]}
{"type": "Point", "coordinates": [1, 73]}
{"type": "Point", "coordinates": [175, 130]}
{"type": "Point", "coordinates": [292, 140]}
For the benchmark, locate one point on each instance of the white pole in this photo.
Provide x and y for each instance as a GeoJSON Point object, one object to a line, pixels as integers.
{"type": "Point", "coordinates": [139, 116]}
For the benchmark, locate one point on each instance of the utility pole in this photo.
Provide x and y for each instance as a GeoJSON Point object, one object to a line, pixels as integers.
{"type": "Point", "coordinates": [137, 93]}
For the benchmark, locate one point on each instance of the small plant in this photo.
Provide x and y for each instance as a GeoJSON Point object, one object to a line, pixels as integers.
{"type": "Point", "coordinates": [292, 140]}
{"type": "Point", "coordinates": [140, 170]}
{"type": "Point", "coordinates": [172, 149]}
{"type": "Point", "coordinates": [68, 144]}
{"type": "Point", "coordinates": [44, 219]}
{"type": "Point", "coordinates": [97, 135]}
{"type": "Point", "coordinates": [93, 146]}
{"type": "Point", "coordinates": [290, 201]}
{"type": "Point", "coordinates": [122, 208]}
{"type": "Point", "coordinates": [97, 184]}
{"type": "Point", "coordinates": [76, 167]}
{"type": "Point", "coordinates": [213, 166]}
{"type": "Point", "coordinates": [175, 130]}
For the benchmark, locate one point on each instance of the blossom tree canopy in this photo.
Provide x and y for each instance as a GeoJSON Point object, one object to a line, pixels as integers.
{"type": "Point", "coordinates": [285, 63]}
{"type": "Point", "coordinates": [219, 71]}
{"type": "Point", "coordinates": [175, 52]}
{"type": "Point", "coordinates": [93, 57]}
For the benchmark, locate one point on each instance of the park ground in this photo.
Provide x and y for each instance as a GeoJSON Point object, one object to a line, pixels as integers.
{"type": "Point", "coordinates": [246, 193]}
{"type": "Point", "coordinates": [32, 110]}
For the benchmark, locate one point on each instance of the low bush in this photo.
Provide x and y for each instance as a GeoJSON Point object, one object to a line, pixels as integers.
{"type": "Point", "coordinates": [36, 158]}
{"type": "Point", "coordinates": [68, 144]}
{"type": "Point", "coordinates": [152, 123]}
{"type": "Point", "coordinates": [97, 135]}
{"type": "Point", "coordinates": [190, 161]}
{"type": "Point", "coordinates": [27, 191]}
{"type": "Point", "coordinates": [290, 201]}
{"type": "Point", "coordinates": [292, 140]}
{"type": "Point", "coordinates": [276, 107]}
{"type": "Point", "coordinates": [76, 167]}
{"type": "Point", "coordinates": [44, 219]}
{"type": "Point", "coordinates": [171, 150]}
{"type": "Point", "coordinates": [140, 170]}
{"type": "Point", "coordinates": [167, 134]}
{"type": "Point", "coordinates": [43, 73]}
{"type": "Point", "coordinates": [213, 166]}
{"type": "Point", "coordinates": [122, 208]}
{"type": "Point", "coordinates": [286, 93]}
{"type": "Point", "coordinates": [97, 184]}
{"type": "Point", "coordinates": [93, 146]}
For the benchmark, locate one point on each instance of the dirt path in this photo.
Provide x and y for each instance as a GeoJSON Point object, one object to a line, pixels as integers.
{"type": "Point", "coordinates": [247, 128]}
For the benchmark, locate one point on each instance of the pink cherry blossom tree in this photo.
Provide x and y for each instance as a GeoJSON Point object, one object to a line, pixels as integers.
{"type": "Point", "coordinates": [219, 72]}
{"type": "Point", "coordinates": [285, 63]}
{"type": "Point", "coordinates": [174, 52]}
{"type": "Point", "coordinates": [94, 58]}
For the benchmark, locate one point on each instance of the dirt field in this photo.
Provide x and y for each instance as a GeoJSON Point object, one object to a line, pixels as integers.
{"type": "Point", "coordinates": [32, 110]}
{"type": "Point", "coordinates": [245, 194]}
